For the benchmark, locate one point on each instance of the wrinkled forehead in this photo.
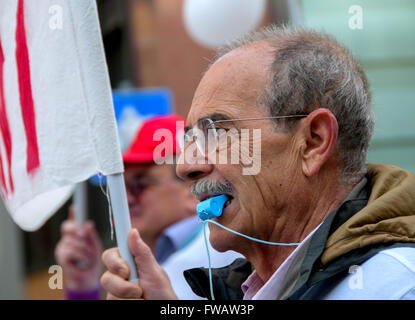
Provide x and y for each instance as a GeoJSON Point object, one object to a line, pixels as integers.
{"type": "Point", "coordinates": [232, 85]}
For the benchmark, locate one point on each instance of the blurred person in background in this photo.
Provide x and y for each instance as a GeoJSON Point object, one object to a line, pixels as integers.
{"type": "Point", "coordinates": [161, 207]}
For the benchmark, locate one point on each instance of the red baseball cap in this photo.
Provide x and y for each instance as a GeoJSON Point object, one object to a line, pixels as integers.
{"type": "Point", "coordinates": [144, 144]}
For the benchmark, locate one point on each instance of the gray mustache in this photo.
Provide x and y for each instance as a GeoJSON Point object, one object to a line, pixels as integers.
{"type": "Point", "coordinates": [207, 186]}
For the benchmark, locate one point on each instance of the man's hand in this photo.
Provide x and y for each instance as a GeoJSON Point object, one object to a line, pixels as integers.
{"type": "Point", "coordinates": [154, 284]}
{"type": "Point", "coordinates": [79, 252]}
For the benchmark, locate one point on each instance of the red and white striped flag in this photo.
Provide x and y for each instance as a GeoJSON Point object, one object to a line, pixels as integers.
{"type": "Point", "coordinates": [57, 124]}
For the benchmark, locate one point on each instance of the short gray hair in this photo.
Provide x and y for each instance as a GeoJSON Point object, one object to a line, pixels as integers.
{"type": "Point", "coordinates": [311, 70]}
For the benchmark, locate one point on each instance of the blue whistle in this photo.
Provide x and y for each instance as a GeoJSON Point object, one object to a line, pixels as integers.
{"type": "Point", "coordinates": [211, 208]}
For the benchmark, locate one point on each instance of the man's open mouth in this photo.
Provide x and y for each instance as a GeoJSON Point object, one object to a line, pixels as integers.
{"type": "Point", "coordinates": [227, 203]}
{"type": "Point", "coordinates": [204, 197]}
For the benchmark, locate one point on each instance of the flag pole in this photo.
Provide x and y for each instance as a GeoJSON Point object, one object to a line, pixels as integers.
{"type": "Point", "coordinates": [122, 221]}
{"type": "Point", "coordinates": [80, 202]}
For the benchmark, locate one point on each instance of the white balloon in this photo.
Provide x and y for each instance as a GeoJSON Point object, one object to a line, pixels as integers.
{"type": "Point", "coordinates": [213, 23]}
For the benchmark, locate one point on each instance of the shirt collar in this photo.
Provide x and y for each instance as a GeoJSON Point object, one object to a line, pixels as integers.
{"type": "Point", "coordinates": [180, 232]}
{"type": "Point", "coordinates": [176, 237]}
{"type": "Point", "coordinates": [255, 288]}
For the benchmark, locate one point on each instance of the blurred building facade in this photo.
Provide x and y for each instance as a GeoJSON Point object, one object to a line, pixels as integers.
{"type": "Point", "coordinates": [380, 34]}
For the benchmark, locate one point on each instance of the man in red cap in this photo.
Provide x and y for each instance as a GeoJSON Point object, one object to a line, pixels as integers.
{"type": "Point", "coordinates": [161, 208]}
{"type": "Point", "coordinates": [157, 198]}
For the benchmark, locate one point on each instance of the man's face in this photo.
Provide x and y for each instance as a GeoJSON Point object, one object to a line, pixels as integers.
{"type": "Point", "coordinates": [232, 88]}
{"type": "Point", "coordinates": [156, 198]}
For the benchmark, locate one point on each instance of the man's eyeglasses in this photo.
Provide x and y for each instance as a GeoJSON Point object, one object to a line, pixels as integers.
{"type": "Point", "coordinates": [137, 186]}
{"type": "Point", "coordinates": [205, 134]}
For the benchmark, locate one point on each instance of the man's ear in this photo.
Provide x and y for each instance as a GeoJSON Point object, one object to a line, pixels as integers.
{"type": "Point", "coordinates": [320, 132]}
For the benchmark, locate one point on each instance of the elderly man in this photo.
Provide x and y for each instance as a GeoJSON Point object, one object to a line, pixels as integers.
{"type": "Point", "coordinates": [311, 101]}
{"type": "Point", "coordinates": [161, 207]}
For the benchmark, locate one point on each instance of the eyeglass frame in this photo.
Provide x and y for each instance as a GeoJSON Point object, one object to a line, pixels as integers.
{"type": "Point", "coordinates": [144, 182]}
{"type": "Point", "coordinates": [212, 124]}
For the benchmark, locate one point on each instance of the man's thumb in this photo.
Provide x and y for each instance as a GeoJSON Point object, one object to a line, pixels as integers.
{"type": "Point", "coordinates": [143, 257]}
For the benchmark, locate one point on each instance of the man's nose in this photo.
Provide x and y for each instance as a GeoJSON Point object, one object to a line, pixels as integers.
{"type": "Point", "coordinates": [191, 168]}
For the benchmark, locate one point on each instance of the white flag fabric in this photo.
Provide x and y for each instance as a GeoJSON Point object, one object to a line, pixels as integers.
{"type": "Point", "coordinates": [57, 124]}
